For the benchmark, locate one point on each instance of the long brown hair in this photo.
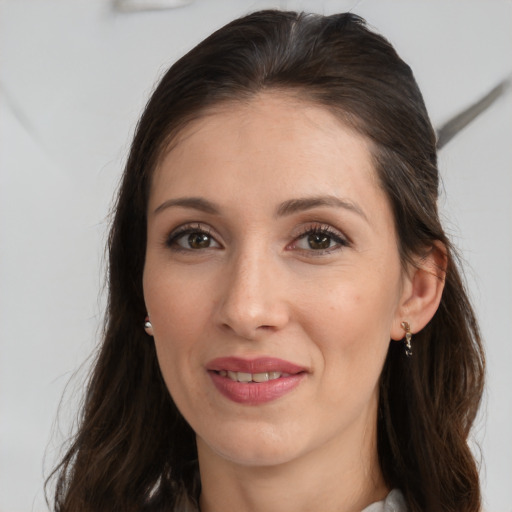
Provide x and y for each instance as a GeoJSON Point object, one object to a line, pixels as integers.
{"type": "Point", "coordinates": [133, 450]}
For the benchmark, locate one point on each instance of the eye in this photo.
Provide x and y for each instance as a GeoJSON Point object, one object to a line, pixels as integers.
{"type": "Point", "coordinates": [320, 239]}
{"type": "Point", "coordinates": [192, 239]}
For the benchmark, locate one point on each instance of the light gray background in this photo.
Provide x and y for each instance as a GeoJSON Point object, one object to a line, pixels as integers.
{"type": "Point", "coordinates": [74, 76]}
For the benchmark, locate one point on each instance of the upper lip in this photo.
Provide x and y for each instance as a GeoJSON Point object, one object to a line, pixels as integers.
{"type": "Point", "coordinates": [257, 365]}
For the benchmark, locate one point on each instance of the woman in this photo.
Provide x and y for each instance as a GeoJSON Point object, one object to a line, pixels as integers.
{"type": "Point", "coordinates": [286, 327]}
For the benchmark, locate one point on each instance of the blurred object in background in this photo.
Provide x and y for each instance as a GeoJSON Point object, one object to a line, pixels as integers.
{"type": "Point", "coordinates": [148, 5]}
{"type": "Point", "coordinates": [451, 128]}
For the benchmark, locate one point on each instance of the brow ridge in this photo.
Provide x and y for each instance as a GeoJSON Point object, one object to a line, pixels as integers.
{"type": "Point", "coordinates": [286, 208]}
{"type": "Point", "coordinates": [196, 203]}
{"type": "Point", "coordinates": [307, 203]}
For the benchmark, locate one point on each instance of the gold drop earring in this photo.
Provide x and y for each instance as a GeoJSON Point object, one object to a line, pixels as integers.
{"type": "Point", "coordinates": [408, 337]}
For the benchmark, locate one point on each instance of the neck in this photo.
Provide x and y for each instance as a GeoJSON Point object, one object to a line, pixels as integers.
{"type": "Point", "coordinates": [338, 477]}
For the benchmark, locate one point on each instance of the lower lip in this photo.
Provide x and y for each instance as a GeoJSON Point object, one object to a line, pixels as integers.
{"type": "Point", "coordinates": [254, 393]}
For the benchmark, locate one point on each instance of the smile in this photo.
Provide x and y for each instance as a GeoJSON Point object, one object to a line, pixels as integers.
{"type": "Point", "coordinates": [254, 381]}
{"type": "Point", "coordinates": [252, 377]}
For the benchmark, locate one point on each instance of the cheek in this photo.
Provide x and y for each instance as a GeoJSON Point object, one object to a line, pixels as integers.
{"type": "Point", "coordinates": [175, 315]}
{"type": "Point", "coordinates": [351, 323]}
{"type": "Point", "coordinates": [174, 301]}
{"type": "Point", "coordinates": [353, 303]}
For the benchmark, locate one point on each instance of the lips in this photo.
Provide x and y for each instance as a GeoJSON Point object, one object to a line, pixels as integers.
{"type": "Point", "coordinates": [252, 377]}
{"type": "Point", "coordinates": [259, 365]}
{"type": "Point", "coordinates": [254, 381]}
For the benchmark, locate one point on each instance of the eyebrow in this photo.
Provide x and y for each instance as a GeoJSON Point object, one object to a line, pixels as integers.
{"type": "Point", "coordinates": [284, 209]}
{"type": "Point", "coordinates": [308, 203]}
{"type": "Point", "coordinates": [195, 203]}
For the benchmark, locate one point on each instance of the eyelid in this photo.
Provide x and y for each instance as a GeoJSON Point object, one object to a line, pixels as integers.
{"type": "Point", "coordinates": [313, 227]}
{"type": "Point", "coordinates": [321, 228]}
{"type": "Point", "coordinates": [189, 228]}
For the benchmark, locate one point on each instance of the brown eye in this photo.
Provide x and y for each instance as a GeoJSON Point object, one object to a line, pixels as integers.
{"type": "Point", "coordinates": [192, 239]}
{"type": "Point", "coordinates": [319, 241]}
{"type": "Point", "coordinates": [199, 241]}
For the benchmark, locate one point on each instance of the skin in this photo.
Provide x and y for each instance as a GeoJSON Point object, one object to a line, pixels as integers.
{"type": "Point", "coordinates": [262, 289]}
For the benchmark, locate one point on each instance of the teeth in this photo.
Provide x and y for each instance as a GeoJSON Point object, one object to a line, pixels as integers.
{"type": "Point", "coordinates": [252, 377]}
{"type": "Point", "coordinates": [260, 377]}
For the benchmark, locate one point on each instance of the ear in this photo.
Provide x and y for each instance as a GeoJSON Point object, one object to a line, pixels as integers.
{"type": "Point", "coordinates": [422, 290]}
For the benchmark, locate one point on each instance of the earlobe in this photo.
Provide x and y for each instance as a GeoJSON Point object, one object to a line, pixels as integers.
{"type": "Point", "coordinates": [422, 291]}
{"type": "Point", "coordinates": [148, 327]}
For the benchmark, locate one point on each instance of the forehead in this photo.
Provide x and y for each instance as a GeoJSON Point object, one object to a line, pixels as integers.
{"type": "Point", "coordinates": [275, 144]}
{"type": "Point", "coordinates": [273, 110]}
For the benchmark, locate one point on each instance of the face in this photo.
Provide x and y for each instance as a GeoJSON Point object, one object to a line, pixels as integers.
{"type": "Point", "coordinates": [272, 281]}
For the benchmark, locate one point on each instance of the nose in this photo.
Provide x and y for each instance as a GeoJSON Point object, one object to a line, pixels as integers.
{"type": "Point", "coordinates": [253, 301]}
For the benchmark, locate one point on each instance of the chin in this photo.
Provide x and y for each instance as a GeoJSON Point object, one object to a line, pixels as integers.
{"type": "Point", "coordinates": [260, 456]}
{"type": "Point", "coordinates": [253, 446]}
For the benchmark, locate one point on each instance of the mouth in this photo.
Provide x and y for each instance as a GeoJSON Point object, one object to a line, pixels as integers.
{"type": "Point", "coordinates": [254, 381]}
{"type": "Point", "coordinates": [260, 367]}
{"type": "Point", "coordinates": [252, 377]}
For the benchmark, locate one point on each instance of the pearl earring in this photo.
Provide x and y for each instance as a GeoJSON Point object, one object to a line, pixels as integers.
{"type": "Point", "coordinates": [148, 327]}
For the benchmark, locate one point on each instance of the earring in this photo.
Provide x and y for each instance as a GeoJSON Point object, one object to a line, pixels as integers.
{"type": "Point", "coordinates": [408, 337]}
{"type": "Point", "coordinates": [148, 327]}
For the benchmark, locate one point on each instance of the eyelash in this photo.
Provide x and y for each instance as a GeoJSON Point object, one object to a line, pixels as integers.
{"type": "Point", "coordinates": [318, 229]}
{"type": "Point", "coordinates": [188, 229]}
{"type": "Point", "coordinates": [322, 229]}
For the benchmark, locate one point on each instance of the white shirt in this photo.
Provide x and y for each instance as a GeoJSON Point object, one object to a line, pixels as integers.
{"type": "Point", "coordinates": [394, 502]}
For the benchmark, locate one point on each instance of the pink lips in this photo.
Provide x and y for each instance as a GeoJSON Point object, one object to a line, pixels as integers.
{"type": "Point", "coordinates": [254, 393]}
